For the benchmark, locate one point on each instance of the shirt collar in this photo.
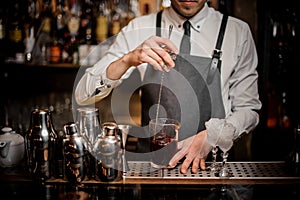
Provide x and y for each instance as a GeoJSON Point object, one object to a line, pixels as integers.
{"type": "Point", "coordinates": [196, 21]}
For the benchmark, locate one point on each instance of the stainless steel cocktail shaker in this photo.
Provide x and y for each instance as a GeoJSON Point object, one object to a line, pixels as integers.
{"type": "Point", "coordinates": [108, 153]}
{"type": "Point", "coordinates": [40, 142]}
{"type": "Point", "coordinates": [75, 155]}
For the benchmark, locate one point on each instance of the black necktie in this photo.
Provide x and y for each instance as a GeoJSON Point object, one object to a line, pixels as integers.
{"type": "Point", "coordinates": [185, 45]}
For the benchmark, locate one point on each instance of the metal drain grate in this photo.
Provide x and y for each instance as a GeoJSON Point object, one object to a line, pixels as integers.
{"type": "Point", "coordinates": [238, 170]}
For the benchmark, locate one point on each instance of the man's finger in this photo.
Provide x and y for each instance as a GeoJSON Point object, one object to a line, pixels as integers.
{"type": "Point", "coordinates": [185, 165]}
{"type": "Point", "coordinates": [176, 158]}
{"type": "Point", "coordinates": [195, 166]}
{"type": "Point", "coordinates": [202, 164]}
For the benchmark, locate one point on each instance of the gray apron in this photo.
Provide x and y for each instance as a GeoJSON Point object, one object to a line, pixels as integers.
{"type": "Point", "coordinates": [191, 91]}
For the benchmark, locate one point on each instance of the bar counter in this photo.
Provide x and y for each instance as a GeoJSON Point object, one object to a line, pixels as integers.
{"type": "Point", "coordinates": [261, 179]}
{"type": "Point", "coordinates": [240, 173]}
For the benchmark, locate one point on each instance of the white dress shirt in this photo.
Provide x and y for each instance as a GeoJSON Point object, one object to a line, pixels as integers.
{"type": "Point", "coordinates": [239, 61]}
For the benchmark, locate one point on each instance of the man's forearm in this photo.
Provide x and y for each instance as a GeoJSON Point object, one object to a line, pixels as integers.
{"type": "Point", "coordinates": [118, 68]}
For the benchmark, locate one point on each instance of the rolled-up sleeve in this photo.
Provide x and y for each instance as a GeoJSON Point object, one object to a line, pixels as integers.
{"type": "Point", "coordinates": [240, 94]}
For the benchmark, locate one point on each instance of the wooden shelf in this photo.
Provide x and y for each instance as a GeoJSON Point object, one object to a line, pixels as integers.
{"type": "Point", "coordinates": [49, 65]}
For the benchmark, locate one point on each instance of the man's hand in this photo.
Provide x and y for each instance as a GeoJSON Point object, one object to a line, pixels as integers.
{"type": "Point", "coordinates": [195, 150]}
{"type": "Point", "coordinates": [156, 52]}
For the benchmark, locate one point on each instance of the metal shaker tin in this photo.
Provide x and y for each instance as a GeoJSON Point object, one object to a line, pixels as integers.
{"type": "Point", "coordinates": [38, 145]}
{"type": "Point", "coordinates": [109, 129]}
{"type": "Point", "coordinates": [107, 152]}
{"type": "Point", "coordinates": [74, 153]}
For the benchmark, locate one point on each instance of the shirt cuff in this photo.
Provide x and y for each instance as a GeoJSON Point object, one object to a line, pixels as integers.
{"type": "Point", "coordinates": [220, 133]}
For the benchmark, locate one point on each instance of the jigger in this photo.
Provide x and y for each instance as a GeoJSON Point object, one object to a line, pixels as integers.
{"type": "Point", "coordinates": [123, 134]}
{"type": "Point", "coordinates": [124, 130]}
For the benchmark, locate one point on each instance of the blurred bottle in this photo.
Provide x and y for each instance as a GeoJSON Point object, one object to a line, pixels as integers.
{"type": "Point", "coordinates": [135, 7]}
{"type": "Point", "coordinates": [146, 9]}
{"type": "Point", "coordinates": [132, 10]}
{"type": "Point", "coordinates": [45, 41]}
{"type": "Point", "coordinates": [117, 18]}
{"type": "Point", "coordinates": [55, 48]}
{"type": "Point", "coordinates": [283, 55]}
{"type": "Point", "coordinates": [87, 24]}
{"type": "Point", "coordinates": [87, 35]}
{"type": "Point", "coordinates": [102, 21]}
{"type": "Point", "coordinates": [16, 32]}
{"type": "Point", "coordinates": [56, 148]}
{"type": "Point", "coordinates": [29, 42]}
{"type": "Point", "coordinates": [29, 28]}
{"type": "Point", "coordinates": [60, 31]}
{"type": "Point", "coordinates": [41, 51]}
{"type": "Point", "coordinates": [59, 20]}
{"type": "Point", "coordinates": [71, 46]}
{"type": "Point", "coordinates": [293, 158]}
{"type": "Point", "coordinates": [284, 117]}
{"type": "Point", "coordinates": [2, 34]}
{"type": "Point", "coordinates": [60, 167]}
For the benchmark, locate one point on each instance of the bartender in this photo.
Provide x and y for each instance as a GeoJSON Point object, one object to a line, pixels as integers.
{"type": "Point", "coordinates": [195, 65]}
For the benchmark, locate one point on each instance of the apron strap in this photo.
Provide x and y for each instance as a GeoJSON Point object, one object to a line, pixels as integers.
{"type": "Point", "coordinates": [158, 23]}
{"type": "Point", "coordinates": [217, 51]}
{"type": "Point", "coordinates": [221, 32]}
